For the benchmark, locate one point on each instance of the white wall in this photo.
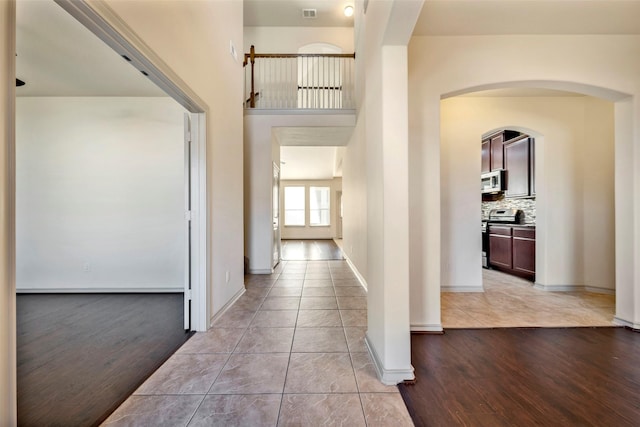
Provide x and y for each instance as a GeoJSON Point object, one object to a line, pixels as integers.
{"type": "Point", "coordinates": [354, 200]}
{"type": "Point", "coordinates": [260, 151]}
{"type": "Point", "coordinates": [192, 38]}
{"type": "Point", "coordinates": [606, 66]}
{"type": "Point", "coordinates": [8, 405]}
{"type": "Point", "coordinates": [574, 175]}
{"type": "Point", "coordinates": [290, 39]}
{"type": "Point", "coordinates": [100, 194]}
{"type": "Point", "coordinates": [308, 231]}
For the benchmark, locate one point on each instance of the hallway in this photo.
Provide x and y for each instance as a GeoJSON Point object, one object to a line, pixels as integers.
{"type": "Point", "coordinates": [290, 351]}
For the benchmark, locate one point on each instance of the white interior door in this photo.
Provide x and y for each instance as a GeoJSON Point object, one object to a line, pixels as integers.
{"type": "Point", "coordinates": [187, 221]}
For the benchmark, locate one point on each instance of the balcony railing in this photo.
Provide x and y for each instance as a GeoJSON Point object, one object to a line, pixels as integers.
{"type": "Point", "coordinates": [299, 81]}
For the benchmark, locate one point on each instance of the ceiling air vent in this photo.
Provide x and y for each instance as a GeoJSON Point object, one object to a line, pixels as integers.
{"type": "Point", "coordinates": [309, 13]}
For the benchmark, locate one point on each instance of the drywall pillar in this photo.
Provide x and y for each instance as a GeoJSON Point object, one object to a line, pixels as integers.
{"type": "Point", "coordinates": [8, 408]}
{"type": "Point", "coordinates": [388, 336]}
{"type": "Point", "coordinates": [389, 27]}
{"type": "Point", "coordinates": [627, 206]}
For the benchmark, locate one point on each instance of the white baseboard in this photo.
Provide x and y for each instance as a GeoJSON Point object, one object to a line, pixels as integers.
{"type": "Point", "coordinates": [427, 328]}
{"type": "Point", "coordinates": [574, 288]}
{"type": "Point", "coordinates": [596, 290]}
{"type": "Point", "coordinates": [388, 376]}
{"type": "Point", "coordinates": [226, 306]}
{"type": "Point", "coordinates": [99, 290]}
{"type": "Point", "coordinates": [260, 271]}
{"type": "Point", "coordinates": [461, 289]}
{"type": "Point", "coordinates": [359, 276]}
{"type": "Point", "coordinates": [621, 322]}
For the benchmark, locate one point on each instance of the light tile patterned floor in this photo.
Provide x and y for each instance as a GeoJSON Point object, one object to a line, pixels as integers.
{"type": "Point", "coordinates": [289, 352]}
{"type": "Point", "coordinates": [509, 301]}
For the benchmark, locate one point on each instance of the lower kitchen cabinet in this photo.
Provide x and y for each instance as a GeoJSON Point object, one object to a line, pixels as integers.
{"type": "Point", "coordinates": [500, 246]}
{"type": "Point", "coordinates": [512, 249]}
{"type": "Point", "coordinates": [524, 250]}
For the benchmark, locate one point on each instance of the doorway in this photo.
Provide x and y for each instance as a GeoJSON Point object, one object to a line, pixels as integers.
{"type": "Point", "coordinates": [563, 190]}
{"type": "Point", "coordinates": [103, 244]}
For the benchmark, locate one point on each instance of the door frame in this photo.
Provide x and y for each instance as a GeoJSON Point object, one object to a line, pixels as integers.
{"type": "Point", "coordinates": [100, 19]}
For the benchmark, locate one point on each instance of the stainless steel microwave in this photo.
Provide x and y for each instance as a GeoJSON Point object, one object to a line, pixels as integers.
{"type": "Point", "coordinates": [492, 182]}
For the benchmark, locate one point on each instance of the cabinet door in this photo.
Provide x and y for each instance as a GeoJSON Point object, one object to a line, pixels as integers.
{"type": "Point", "coordinates": [532, 167]}
{"type": "Point", "coordinates": [524, 255]}
{"type": "Point", "coordinates": [497, 162]}
{"type": "Point", "coordinates": [516, 162]}
{"type": "Point", "coordinates": [486, 156]}
{"type": "Point", "coordinates": [500, 250]}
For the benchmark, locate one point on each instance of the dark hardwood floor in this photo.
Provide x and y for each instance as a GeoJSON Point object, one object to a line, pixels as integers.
{"type": "Point", "coordinates": [81, 355]}
{"type": "Point", "coordinates": [310, 250]}
{"type": "Point", "coordinates": [526, 377]}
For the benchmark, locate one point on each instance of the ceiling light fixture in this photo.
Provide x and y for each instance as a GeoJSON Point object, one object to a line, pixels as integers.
{"type": "Point", "coordinates": [348, 11]}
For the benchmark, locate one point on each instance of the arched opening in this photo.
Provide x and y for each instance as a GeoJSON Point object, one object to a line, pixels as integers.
{"type": "Point", "coordinates": [576, 138]}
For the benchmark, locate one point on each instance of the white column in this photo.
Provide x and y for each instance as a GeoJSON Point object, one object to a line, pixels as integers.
{"type": "Point", "coordinates": [7, 222]}
{"type": "Point", "coordinates": [388, 336]}
{"type": "Point", "coordinates": [626, 212]}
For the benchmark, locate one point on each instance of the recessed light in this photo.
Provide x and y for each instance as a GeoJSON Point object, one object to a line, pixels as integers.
{"type": "Point", "coordinates": [348, 11]}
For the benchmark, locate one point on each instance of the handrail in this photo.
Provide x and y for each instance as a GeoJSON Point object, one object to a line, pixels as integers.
{"type": "Point", "coordinates": [326, 83]}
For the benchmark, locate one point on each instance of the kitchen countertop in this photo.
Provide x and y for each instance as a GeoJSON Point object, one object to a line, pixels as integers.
{"type": "Point", "coordinates": [526, 224]}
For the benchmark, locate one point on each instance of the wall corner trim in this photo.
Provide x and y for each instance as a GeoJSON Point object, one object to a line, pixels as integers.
{"type": "Point", "coordinates": [435, 327]}
{"type": "Point", "coordinates": [360, 277]}
{"type": "Point", "coordinates": [621, 322]}
{"type": "Point", "coordinates": [388, 376]}
{"type": "Point", "coordinates": [461, 289]}
{"type": "Point", "coordinates": [226, 307]}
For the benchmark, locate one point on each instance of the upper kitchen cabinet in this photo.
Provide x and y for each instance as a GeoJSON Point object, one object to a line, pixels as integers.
{"type": "Point", "coordinates": [486, 156]}
{"type": "Point", "coordinates": [518, 163]}
{"type": "Point", "coordinates": [493, 150]}
{"type": "Point", "coordinates": [497, 142]}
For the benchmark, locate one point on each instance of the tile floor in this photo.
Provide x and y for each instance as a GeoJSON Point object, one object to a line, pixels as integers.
{"type": "Point", "coordinates": [509, 301]}
{"type": "Point", "coordinates": [289, 352]}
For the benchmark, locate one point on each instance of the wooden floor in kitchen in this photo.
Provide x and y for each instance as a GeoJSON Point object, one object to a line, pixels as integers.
{"type": "Point", "coordinates": [525, 377]}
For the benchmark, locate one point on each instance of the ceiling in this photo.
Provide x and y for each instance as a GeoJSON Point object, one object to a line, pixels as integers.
{"type": "Point", "coordinates": [310, 162]}
{"type": "Point", "coordinates": [288, 13]}
{"type": "Point", "coordinates": [487, 17]}
{"type": "Point", "coordinates": [58, 56]}
{"type": "Point", "coordinates": [312, 152]}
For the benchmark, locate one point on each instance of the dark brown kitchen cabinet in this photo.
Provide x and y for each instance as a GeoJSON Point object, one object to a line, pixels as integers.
{"type": "Point", "coordinates": [512, 249]}
{"type": "Point", "coordinates": [517, 163]}
{"type": "Point", "coordinates": [524, 250]}
{"type": "Point", "coordinates": [532, 166]}
{"type": "Point", "coordinates": [500, 246]}
{"type": "Point", "coordinates": [496, 150]}
{"type": "Point", "coordinates": [493, 150]}
{"type": "Point", "coordinates": [486, 156]}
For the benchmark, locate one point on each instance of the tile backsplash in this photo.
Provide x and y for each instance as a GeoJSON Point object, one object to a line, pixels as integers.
{"type": "Point", "coordinates": [527, 205]}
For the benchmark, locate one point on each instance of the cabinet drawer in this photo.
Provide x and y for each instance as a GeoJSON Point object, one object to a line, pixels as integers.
{"type": "Point", "coordinates": [526, 233]}
{"type": "Point", "coordinates": [500, 230]}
